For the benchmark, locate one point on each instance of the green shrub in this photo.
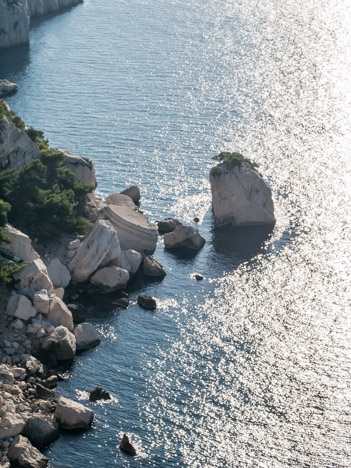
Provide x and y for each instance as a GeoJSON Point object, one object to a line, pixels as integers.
{"type": "Point", "coordinates": [38, 137]}
{"type": "Point", "coordinates": [230, 160]}
{"type": "Point", "coordinates": [216, 171]}
{"type": "Point", "coordinates": [7, 272]}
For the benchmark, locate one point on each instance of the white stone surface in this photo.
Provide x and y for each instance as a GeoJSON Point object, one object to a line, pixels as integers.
{"type": "Point", "coordinates": [59, 314]}
{"type": "Point", "coordinates": [62, 342]}
{"type": "Point", "coordinates": [86, 336]}
{"type": "Point", "coordinates": [72, 415]}
{"type": "Point", "coordinates": [129, 260]}
{"type": "Point", "coordinates": [14, 23]}
{"type": "Point", "coordinates": [120, 200]}
{"type": "Point", "coordinates": [184, 237]}
{"type": "Point", "coordinates": [59, 273]}
{"type": "Point", "coordinates": [20, 307]}
{"type": "Point", "coordinates": [41, 301]}
{"type": "Point", "coordinates": [110, 278]}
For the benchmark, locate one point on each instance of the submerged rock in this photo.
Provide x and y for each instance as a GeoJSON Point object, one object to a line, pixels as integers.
{"type": "Point", "coordinates": [240, 196]}
{"type": "Point", "coordinates": [185, 237]}
{"type": "Point", "coordinates": [147, 302]}
{"type": "Point", "coordinates": [72, 415]}
{"type": "Point", "coordinates": [99, 394]}
{"type": "Point", "coordinates": [126, 446]}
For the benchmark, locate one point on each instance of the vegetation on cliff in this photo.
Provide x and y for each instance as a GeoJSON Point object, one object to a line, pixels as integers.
{"type": "Point", "coordinates": [229, 160]}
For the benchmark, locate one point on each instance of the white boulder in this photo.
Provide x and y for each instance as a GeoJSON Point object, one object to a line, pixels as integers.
{"type": "Point", "coordinates": [20, 246]}
{"type": "Point", "coordinates": [62, 342]}
{"type": "Point", "coordinates": [185, 237]}
{"type": "Point", "coordinates": [72, 415]}
{"type": "Point", "coordinates": [129, 260]}
{"type": "Point", "coordinates": [59, 314]}
{"type": "Point", "coordinates": [120, 200]}
{"type": "Point", "coordinates": [7, 87]}
{"type": "Point", "coordinates": [11, 425]}
{"type": "Point", "coordinates": [33, 277]}
{"type": "Point", "coordinates": [240, 196]}
{"type": "Point", "coordinates": [110, 278]}
{"type": "Point", "coordinates": [82, 168]}
{"type": "Point", "coordinates": [59, 274]}
{"type": "Point", "coordinates": [20, 307]}
{"type": "Point", "coordinates": [133, 228]}
{"type": "Point", "coordinates": [86, 336]}
{"type": "Point", "coordinates": [41, 301]}
{"type": "Point", "coordinates": [98, 249]}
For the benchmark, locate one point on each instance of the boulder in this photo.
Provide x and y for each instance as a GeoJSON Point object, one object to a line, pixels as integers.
{"type": "Point", "coordinates": [17, 325]}
{"type": "Point", "coordinates": [32, 278]}
{"type": "Point", "coordinates": [86, 336]}
{"type": "Point", "coordinates": [120, 200]}
{"type": "Point", "coordinates": [126, 446]}
{"type": "Point", "coordinates": [7, 87]}
{"type": "Point", "coordinates": [14, 23]}
{"type": "Point", "coordinates": [133, 228]}
{"type": "Point", "coordinates": [20, 307]}
{"type": "Point", "coordinates": [110, 278]}
{"type": "Point", "coordinates": [133, 192]}
{"type": "Point", "coordinates": [22, 454]}
{"type": "Point", "coordinates": [59, 292]}
{"type": "Point", "coordinates": [240, 196]}
{"type": "Point", "coordinates": [99, 394]}
{"type": "Point", "coordinates": [168, 225]}
{"type": "Point", "coordinates": [98, 248]}
{"type": "Point", "coordinates": [41, 431]}
{"type": "Point", "coordinates": [62, 342]}
{"type": "Point", "coordinates": [33, 366]}
{"type": "Point", "coordinates": [129, 260]}
{"type": "Point", "coordinates": [151, 267]}
{"type": "Point", "coordinates": [41, 301]}
{"type": "Point", "coordinates": [185, 237]}
{"type": "Point", "coordinates": [58, 273]}
{"type": "Point", "coordinates": [59, 314]}
{"type": "Point", "coordinates": [20, 246]}
{"type": "Point", "coordinates": [16, 148]}
{"type": "Point", "coordinates": [72, 415]}
{"type": "Point", "coordinates": [82, 168]}
{"type": "Point", "coordinates": [147, 302]}
{"type": "Point", "coordinates": [11, 425]}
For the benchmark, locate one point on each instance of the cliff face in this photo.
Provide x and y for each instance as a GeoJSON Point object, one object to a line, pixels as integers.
{"type": "Point", "coordinates": [40, 8]}
{"type": "Point", "coordinates": [14, 23]}
{"type": "Point", "coordinates": [15, 16]}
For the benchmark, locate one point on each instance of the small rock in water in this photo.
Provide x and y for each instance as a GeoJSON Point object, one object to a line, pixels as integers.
{"type": "Point", "coordinates": [126, 446]}
{"type": "Point", "coordinates": [122, 302]}
{"type": "Point", "coordinates": [99, 394]}
{"type": "Point", "coordinates": [147, 302]}
{"type": "Point", "coordinates": [198, 277]}
{"type": "Point", "coordinates": [196, 220]}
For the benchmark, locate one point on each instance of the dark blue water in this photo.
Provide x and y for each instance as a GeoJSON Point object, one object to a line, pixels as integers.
{"type": "Point", "coordinates": [252, 366]}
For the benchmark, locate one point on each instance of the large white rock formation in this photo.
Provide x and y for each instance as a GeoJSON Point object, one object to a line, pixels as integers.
{"type": "Point", "coordinates": [16, 148]}
{"type": "Point", "coordinates": [97, 250]}
{"type": "Point", "coordinates": [240, 196]}
{"type": "Point", "coordinates": [133, 228]}
{"type": "Point", "coordinates": [20, 246]}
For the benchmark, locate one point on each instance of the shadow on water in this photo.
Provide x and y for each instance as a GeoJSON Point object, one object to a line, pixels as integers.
{"type": "Point", "coordinates": [13, 61]}
{"type": "Point", "coordinates": [235, 245]}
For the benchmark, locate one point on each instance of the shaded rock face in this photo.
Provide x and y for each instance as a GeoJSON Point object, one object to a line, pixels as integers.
{"type": "Point", "coordinates": [40, 8]}
{"type": "Point", "coordinates": [62, 342]}
{"type": "Point", "coordinates": [16, 148]}
{"type": "Point", "coordinates": [22, 454]}
{"type": "Point", "coordinates": [72, 415]}
{"type": "Point", "coordinates": [6, 88]}
{"type": "Point", "coordinates": [20, 246]}
{"type": "Point", "coordinates": [86, 336]}
{"type": "Point", "coordinates": [41, 431]}
{"type": "Point", "coordinates": [110, 278]}
{"type": "Point", "coordinates": [133, 228]}
{"type": "Point", "coordinates": [151, 267]}
{"type": "Point", "coordinates": [241, 197]}
{"type": "Point", "coordinates": [97, 250]}
{"type": "Point", "coordinates": [20, 307]}
{"type": "Point", "coordinates": [14, 23]}
{"type": "Point", "coordinates": [184, 237]}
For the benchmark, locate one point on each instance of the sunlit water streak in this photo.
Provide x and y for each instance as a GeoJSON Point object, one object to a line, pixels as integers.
{"type": "Point", "coordinates": [250, 367]}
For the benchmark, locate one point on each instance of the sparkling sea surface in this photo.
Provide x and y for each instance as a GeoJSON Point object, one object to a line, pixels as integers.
{"type": "Point", "coordinates": [250, 367]}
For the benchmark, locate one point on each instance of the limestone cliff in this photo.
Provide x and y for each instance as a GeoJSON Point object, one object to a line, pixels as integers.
{"type": "Point", "coordinates": [15, 16]}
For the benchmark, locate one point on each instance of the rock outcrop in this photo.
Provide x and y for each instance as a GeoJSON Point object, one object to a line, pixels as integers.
{"type": "Point", "coordinates": [240, 196]}
{"type": "Point", "coordinates": [41, 431]}
{"type": "Point", "coordinates": [16, 148]}
{"type": "Point", "coordinates": [167, 225]}
{"type": "Point", "coordinates": [184, 237]}
{"type": "Point", "coordinates": [14, 23]}
{"type": "Point", "coordinates": [147, 302]}
{"type": "Point", "coordinates": [126, 446]}
{"type": "Point", "coordinates": [133, 228]}
{"type": "Point", "coordinates": [7, 87]}
{"type": "Point", "coordinates": [98, 249]}
{"type": "Point", "coordinates": [20, 246]}
{"type": "Point", "coordinates": [110, 279]}
{"type": "Point", "coordinates": [72, 415]}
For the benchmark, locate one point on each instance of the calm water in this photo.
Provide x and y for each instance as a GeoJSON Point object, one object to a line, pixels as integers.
{"type": "Point", "coordinates": [252, 366]}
